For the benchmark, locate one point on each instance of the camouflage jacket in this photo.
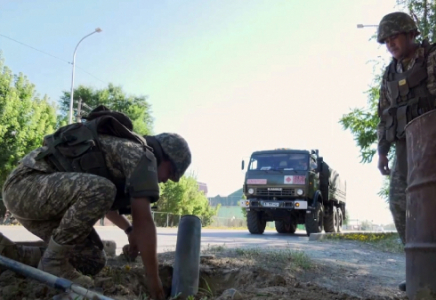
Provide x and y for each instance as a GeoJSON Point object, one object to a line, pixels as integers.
{"type": "Point", "coordinates": [122, 156]}
{"type": "Point", "coordinates": [384, 98]}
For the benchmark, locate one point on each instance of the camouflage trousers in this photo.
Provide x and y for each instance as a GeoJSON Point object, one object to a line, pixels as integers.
{"type": "Point", "coordinates": [64, 206]}
{"type": "Point", "coordinates": [397, 188]}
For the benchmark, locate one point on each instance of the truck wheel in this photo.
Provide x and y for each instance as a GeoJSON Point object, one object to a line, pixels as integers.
{"type": "Point", "coordinates": [331, 221]}
{"type": "Point", "coordinates": [314, 221]}
{"type": "Point", "coordinates": [292, 227]}
{"type": "Point", "coordinates": [340, 220]}
{"type": "Point", "coordinates": [285, 227]}
{"type": "Point", "coordinates": [281, 226]}
{"type": "Point", "coordinates": [255, 224]}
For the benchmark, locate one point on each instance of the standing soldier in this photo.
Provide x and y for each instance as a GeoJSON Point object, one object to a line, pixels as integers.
{"type": "Point", "coordinates": [86, 171]}
{"type": "Point", "coordinates": [408, 90]}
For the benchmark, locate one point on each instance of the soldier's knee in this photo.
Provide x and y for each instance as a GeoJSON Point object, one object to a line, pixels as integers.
{"type": "Point", "coordinates": [98, 264]}
{"type": "Point", "coordinates": [102, 191]}
{"type": "Point", "coordinates": [101, 185]}
{"type": "Point", "coordinates": [90, 265]}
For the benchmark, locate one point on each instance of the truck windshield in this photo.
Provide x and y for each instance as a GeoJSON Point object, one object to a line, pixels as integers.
{"type": "Point", "coordinates": [279, 161]}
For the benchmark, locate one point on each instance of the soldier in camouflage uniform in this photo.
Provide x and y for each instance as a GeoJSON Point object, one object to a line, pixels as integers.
{"type": "Point", "coordinates": [62, 207]}
{"type": "Point", "coordinates": [408, 90]}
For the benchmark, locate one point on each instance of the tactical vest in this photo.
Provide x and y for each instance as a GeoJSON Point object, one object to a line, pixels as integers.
{"type": "Point", "coordinates": [408, 95]}
{"type": "Point", "coordinates": [76, 147]}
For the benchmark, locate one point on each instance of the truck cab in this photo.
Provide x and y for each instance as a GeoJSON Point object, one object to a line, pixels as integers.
{"type": "Point", "coordinates": [291, 187]}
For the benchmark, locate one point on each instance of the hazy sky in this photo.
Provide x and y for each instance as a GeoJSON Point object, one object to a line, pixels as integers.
{"type": "Point", "coordinates": [231, 76]}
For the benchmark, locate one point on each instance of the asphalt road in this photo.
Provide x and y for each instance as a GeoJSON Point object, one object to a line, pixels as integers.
{"type": "Point", "coordinates": [167, 238]}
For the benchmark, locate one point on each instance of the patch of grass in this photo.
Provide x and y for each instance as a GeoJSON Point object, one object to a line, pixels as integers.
{"type": "Point", "coordinates": [215, 248]}
{"type": "Point", "coordinates": [282, 256]}
{"type": "Point", "coordinates": [391, 244]}
{"type": "Point", "coordinates": [207, 290]}
{"type": "Point", "coordinates": [384, 241]}
{"type": "Point", "coordinates": [114, 273]}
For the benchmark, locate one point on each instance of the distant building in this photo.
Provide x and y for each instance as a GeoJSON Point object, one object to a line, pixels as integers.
{"type": "Point", "coordinates": [230, 200]}
{"type": "Point", "coordinates": [202, 187]}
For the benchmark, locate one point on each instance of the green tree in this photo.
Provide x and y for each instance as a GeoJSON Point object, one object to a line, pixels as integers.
{"type": "Point", "coordinates": [244, 210]}
{"type": "Point", "coordinates": [25, 118]}
{"type": "Point", "coordinates": [113, 97]}
{"type": "Point", "coordinates": [366, 225]}
{"type": "Point", "coordinates": [424, 14]}
{"type": "Point", "coordinates": [347, 220]}
{"type": "Point", "coordinates": [362, 122]}
{"type": "Point", "coordinates": [185, 198]}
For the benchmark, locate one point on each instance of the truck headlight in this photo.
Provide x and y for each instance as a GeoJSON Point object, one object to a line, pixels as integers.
{"type": "Point", "coordinates": [251, 191]}
{"type": "Point", "coordinates": [300, 192]}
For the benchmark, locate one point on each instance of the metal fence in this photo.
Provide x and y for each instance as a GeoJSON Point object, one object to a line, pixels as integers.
{"type": "Point", "coordinates": [163, 219]}
{"type": "Point", "coordinates": [227, 222]}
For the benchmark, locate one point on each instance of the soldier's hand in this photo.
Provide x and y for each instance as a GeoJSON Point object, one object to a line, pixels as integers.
{"type": "Point", "coordinates": [132, 249]}
{"type": "Point", "coordinates": [383, 164]}
{"type": "Point", "coordinates": [129, 254]}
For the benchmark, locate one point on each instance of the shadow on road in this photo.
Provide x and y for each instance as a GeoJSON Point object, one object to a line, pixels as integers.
{"type": "Point", "coordinates": [230, 234]}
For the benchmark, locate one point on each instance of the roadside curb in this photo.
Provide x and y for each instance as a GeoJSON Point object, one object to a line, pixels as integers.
{"type": "Point", "coordinates": [334, 235]}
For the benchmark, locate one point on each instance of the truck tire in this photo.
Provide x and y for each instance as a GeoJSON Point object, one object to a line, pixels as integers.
{"type": "Point", "coordinates": [312, 225]}
{"type": "Point", "coordinates": [340, 220]}
{"type": "Point", "coordinates": [255, 224]}
{"type": "Point", "coordinates": [285, 227]}
{"type": "Point", "coordinates": [331, 220]}
{"type": "Point", "coordinates": [293, 227]}
{"type": "Point", "coordinates": [281, 226]}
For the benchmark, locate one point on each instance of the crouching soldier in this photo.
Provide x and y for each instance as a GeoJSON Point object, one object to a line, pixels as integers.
{"type": "Point", "coordinates": [83, 172]}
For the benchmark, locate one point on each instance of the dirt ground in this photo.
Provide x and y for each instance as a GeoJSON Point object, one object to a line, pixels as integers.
{"type": "Point", "coordinates": [329, 270]}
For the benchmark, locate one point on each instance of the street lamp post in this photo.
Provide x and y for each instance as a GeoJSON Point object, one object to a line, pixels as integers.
{"type": "Point", "coordinates": [72, 77]}
{"type": "Point", "coordinates": [362, 26]}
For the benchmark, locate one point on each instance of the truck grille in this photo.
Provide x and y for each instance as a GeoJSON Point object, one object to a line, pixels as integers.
{"type": "Point", "coordinates": [284, 192]}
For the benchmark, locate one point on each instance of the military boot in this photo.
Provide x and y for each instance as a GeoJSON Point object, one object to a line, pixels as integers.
{"type": "Point", "coordinates": [55, 261]}
{"type": "Point", "coordinates": [29, 255]}
{"type": "Point", "coordinates": [8, 248]}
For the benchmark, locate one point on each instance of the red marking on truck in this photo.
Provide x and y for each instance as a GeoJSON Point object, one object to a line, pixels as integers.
{"type": "Point", "coordinates": [256, 181]}
{"type": "Point", "coordinates": [295, 179]}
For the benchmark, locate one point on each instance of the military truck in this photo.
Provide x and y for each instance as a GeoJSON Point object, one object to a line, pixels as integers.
{"type": "Point", "coordinates": [292, 187]}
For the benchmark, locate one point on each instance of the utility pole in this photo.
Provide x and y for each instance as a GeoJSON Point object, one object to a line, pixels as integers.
{"type": "Point", "coordinates": [79, 107]}
{"type": "Point", "coordinates": [70, 119]}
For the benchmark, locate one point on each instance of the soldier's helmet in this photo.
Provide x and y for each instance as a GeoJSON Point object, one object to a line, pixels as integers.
{"type": "Point", "coordinates": [178, 152]}
{"type": "Point", "coordinates": [394, 23]}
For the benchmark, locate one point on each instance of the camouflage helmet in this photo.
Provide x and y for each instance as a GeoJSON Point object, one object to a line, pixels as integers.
{"type": "Point", "coordinates": [393, 23]}
{"type": "Point", "coordinates": [177, 150]}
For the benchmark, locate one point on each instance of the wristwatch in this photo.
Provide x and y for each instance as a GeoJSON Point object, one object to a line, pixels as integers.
{"type": "Point", "coordinates": [128, 229]}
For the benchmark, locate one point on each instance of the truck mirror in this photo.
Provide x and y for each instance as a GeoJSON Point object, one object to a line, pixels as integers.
{"type": "Point", "coordinates": [243, 164]}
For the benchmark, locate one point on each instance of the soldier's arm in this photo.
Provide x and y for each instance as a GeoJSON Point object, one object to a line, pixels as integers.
{"type": "Point", "coordinates": [144, 231]}
{"type": "Point", "coordinates": [142, 185]}
{"type": "Point", "coordinates": [118, 220]}
{"type": "Point", "coordinates": [383, 146]}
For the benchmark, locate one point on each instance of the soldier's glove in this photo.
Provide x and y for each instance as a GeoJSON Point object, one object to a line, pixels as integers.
{"type": "Point", "coordinates": [129, 255]}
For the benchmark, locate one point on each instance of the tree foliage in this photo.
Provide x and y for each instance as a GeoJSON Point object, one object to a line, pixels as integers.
{"type": "Point", "coordinates": [25, 118]}
{"type": "Point", "coordinates": [424, 14]}
{"type": "Point", "coordinates": [136, 107]}
{"type": "Point", "coordinates": [185, 198]}
{"type": "Point", "coordinates": [362, 122]}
